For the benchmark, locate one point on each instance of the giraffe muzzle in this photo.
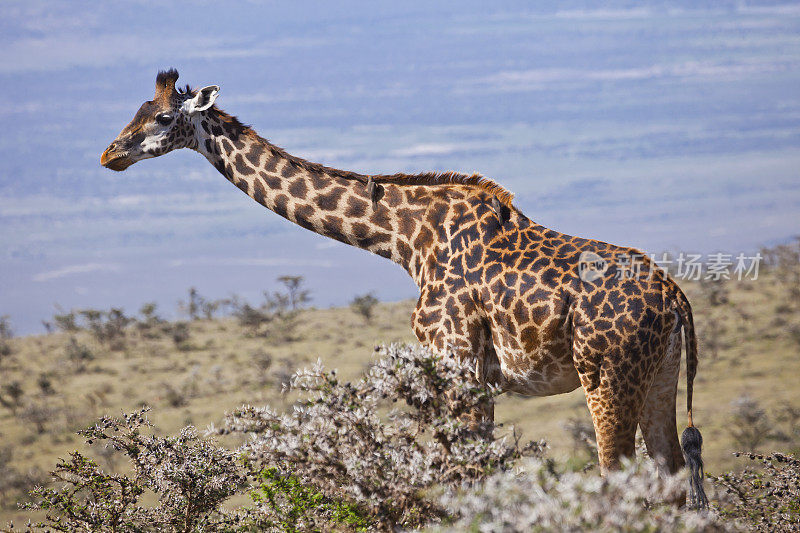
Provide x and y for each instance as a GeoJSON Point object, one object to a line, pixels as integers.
{"type": "Point", "coordinates": [115, 160]}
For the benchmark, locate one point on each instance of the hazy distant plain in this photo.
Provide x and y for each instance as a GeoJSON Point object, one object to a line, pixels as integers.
{"type": "Point", "coordinates": [660, 126]}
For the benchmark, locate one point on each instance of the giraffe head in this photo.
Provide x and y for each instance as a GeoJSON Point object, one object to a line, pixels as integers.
{"type": "Point", "coordinates": [161, 125]}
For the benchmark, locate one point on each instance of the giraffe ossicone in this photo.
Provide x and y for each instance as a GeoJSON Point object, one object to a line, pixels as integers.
{"type": "Point", "coordinates": [496, 289]}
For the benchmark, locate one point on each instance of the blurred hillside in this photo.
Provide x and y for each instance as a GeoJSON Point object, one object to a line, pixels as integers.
{"type": "Point", "coordinates": [228, 353]}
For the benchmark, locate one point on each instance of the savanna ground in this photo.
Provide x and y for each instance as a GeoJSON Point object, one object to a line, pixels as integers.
{"type": "Point", "coordinates": [194, 371]}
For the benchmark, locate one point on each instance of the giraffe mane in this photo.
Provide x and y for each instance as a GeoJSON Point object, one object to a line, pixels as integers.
{"type": "Point", "coordinates": [474, 180]}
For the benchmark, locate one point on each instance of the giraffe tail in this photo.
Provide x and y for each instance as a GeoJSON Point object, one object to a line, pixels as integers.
{"type": "Point", "coordinates": [691, 439]}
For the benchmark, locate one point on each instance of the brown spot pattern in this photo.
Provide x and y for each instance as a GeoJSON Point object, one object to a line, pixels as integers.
{"type": "Point", "coordinates": [495, 288]}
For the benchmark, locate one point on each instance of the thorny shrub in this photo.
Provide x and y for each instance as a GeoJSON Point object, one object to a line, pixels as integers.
{"type": "Point", "coordinates": [78, 354]}
{"type": "Point", "coordinates": [539, 498]}
{"type": "Point", "coordinates": [364, 305]}
{"type": "Point", "coordinates": [180, 335]}
{"type": "Point", "coordinates": [192, 307]}
{"type": "Point", "coordinates": [766, 494]}
{"type": "Point", "coordinates": [6, 334]}
{"type": "Point", "coordinates": [750, 425]}
{"type": "Point", "coordinates": [15, 483]}
{"type": "Point", "coordinates": [190, 476]}
{"type": "Point", "coordinates": [150, 325]}
{"type": "Point", "coordinates": [251, 318]}
{"type": "Point", "coordinates": [296, 294]}
{"type": "Point", "coordinates": [107, 327]}
{"type": "Point", "coordinates": [11, 395]}
{"type": "Point", "coordinates": [385, 453]}
{"type": "Point", "coordinates": [278, 316]}
{"type": "Point", "coordinates": [784, 260]}
{"type": "Point", "coordinates": [341, 444]}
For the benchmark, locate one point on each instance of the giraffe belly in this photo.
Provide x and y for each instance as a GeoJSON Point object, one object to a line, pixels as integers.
{"type": "Point", "coordinates": [534, 358]}
{"type": "Point", "coordinates": [541, 373]}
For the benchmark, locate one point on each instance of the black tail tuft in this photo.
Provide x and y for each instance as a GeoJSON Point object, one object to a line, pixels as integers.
{"type": "Point", "coordinates": [692, 445]}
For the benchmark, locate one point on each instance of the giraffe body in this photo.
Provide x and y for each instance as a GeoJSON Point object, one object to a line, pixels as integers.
{"type": "Point", "coordinates": [496, 289]}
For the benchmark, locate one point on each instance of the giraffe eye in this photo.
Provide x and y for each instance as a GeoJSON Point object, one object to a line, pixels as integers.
{"type": "Point", "coordinates": [164, 119]}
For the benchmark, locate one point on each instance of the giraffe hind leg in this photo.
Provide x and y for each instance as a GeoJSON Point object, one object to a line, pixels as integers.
{"type": "Point", "coordinates": [658, 423]}
{"type": "Point", "coordinates": [614, 419]}
{"type": "Point", "coordinates": [611, 381]}
{"type": "Point", "coordinates": [615, 412]}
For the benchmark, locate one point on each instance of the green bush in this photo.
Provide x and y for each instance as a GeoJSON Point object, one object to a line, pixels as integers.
{"type": "Point", "coordinates": [765, 495]}
{"type": "Point", "coordinates": [298, 507]}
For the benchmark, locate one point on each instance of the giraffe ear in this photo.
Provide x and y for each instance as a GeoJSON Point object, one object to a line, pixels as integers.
{"type": "Point", "coordinates": [202, 100]}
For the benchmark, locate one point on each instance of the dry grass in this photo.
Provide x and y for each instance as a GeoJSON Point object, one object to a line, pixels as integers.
{"type": "Point", "coordinates": [220, 368]}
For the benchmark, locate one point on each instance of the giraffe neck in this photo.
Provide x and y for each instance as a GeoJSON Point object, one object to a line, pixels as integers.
{"type": "Point", "coordinates": [330, 202]}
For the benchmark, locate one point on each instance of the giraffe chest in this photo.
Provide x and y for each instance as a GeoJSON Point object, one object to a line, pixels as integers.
{"type": "Point", "coordinates": [532, 342]}
{"type": "Point", "coordinates": [505, 301]}
{"type": "Point", "coordinates": [518, 330]}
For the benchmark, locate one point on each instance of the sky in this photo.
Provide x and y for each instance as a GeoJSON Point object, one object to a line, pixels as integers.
{"type": "Point", "coordinates": [661, 125]}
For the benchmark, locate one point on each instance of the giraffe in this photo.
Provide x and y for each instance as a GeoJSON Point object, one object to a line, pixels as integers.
{"type": "Point", "coordinates": [532, 310]}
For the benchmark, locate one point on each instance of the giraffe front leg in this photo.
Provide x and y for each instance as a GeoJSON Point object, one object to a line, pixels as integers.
{"type": "Point", "coordinates": [468, 341]}
{"type": "Point", "coordinates": [480, 419]}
